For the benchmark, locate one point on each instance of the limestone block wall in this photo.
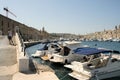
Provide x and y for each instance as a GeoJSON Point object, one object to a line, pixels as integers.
{"type": "Point", "coordinates": [28, 33]}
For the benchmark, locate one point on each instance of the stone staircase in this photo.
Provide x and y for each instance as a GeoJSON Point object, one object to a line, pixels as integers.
{"type": "Point", "coordinates": [8, 59]}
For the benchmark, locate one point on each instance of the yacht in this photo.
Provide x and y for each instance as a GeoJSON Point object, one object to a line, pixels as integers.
{"type": "Point", "coordinates": [48, 47]}
{"type": "Point", "coordinates": [107, 65]}
{"type": "Point", "coordinates": [66, 54]}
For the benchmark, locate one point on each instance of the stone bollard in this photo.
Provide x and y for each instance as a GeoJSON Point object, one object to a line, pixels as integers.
{"type": "Point", "coordinates": [23, 63]}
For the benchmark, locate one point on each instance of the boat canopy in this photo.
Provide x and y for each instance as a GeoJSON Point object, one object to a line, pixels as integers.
{"type": "Point", "coordinates": [90, 51]}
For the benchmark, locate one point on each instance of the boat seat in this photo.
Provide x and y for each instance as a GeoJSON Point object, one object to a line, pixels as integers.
{"type": "Point", "coordinates": [114, 60]}
{"type": "Point", "coordinates": [93, 63]}
{"type": "Point", "coordinates": [103, 63]}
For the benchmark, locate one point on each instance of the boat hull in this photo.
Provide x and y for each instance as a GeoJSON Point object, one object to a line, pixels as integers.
{"type": "Point", "coordinates": [97, 77]}
{"type": "Point", "coordinates": [107, 75]}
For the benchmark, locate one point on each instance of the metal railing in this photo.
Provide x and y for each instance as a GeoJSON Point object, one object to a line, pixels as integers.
{"type": "Point", "coordinates": [21, 40]}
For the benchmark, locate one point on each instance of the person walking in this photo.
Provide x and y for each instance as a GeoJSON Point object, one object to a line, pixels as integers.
{"type": "Point", "coordinates": [10, 35]}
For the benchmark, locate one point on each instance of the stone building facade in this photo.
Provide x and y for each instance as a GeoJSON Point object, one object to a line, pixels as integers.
{"type": "Point", "coordinates": [7, 23]}
{"type": "Point", "coordinates": [104, 35]}
{"type": "Point", "coordinates": [28, 33]}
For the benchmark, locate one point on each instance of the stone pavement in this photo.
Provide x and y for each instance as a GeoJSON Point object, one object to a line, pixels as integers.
{"type": "Point", "coordinates": [8, 59]}
{"type": "Point", "coordinates": [9, 65]}
{"type": "Point", "coordinates": [41, 76]}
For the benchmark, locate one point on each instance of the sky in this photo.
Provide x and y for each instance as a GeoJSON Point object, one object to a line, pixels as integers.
{"type": "Point", "coordinates": [65, 16]}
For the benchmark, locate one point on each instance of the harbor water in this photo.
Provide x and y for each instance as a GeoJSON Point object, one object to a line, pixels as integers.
{"type": "Point", "coordinates": [59, 69]}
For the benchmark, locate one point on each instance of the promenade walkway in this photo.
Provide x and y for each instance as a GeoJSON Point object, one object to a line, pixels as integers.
{"type": "Point", "coordinates": [8, 59]}
{"type": "Point", "coordinates": [9, 65]}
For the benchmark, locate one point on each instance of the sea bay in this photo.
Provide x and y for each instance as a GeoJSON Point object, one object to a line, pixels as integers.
{"type": "Point", "coordinates": [62, 72]}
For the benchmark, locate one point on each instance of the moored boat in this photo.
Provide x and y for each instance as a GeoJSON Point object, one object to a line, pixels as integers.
{"type": "Point", "coordinates": [66, 54]}
{"type": "Point", "coordinates": [105, 66]}
{"type": "Point", "coordinates": [49, 47]}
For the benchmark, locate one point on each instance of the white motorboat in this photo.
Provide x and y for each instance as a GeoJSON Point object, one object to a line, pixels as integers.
{"type": "Point", "coordinates": [49, 47]}
{"type": "Point", "coordinates": [41, 51]}
{"type": "Point", "coordinates": [72, 44]}
{"type": "Point", "coordinates": [38, 53]}
{"type": "Point", "coordinates": [105, 66]}
{"type": "Point", "coordinates": [67, 54]}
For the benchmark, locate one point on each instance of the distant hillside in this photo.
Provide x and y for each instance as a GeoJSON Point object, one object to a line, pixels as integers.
{"type": "Point", "coordinates": [63, 35]}
{"type": "Point", "coordinates": [104, 35]}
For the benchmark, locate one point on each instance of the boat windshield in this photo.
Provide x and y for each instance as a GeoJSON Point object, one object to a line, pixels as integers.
{"type": "Point", "coordinates": [65, 51]}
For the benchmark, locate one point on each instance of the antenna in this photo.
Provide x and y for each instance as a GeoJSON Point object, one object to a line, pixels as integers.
{"type": "Point", "coordinates": [8, 11]}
